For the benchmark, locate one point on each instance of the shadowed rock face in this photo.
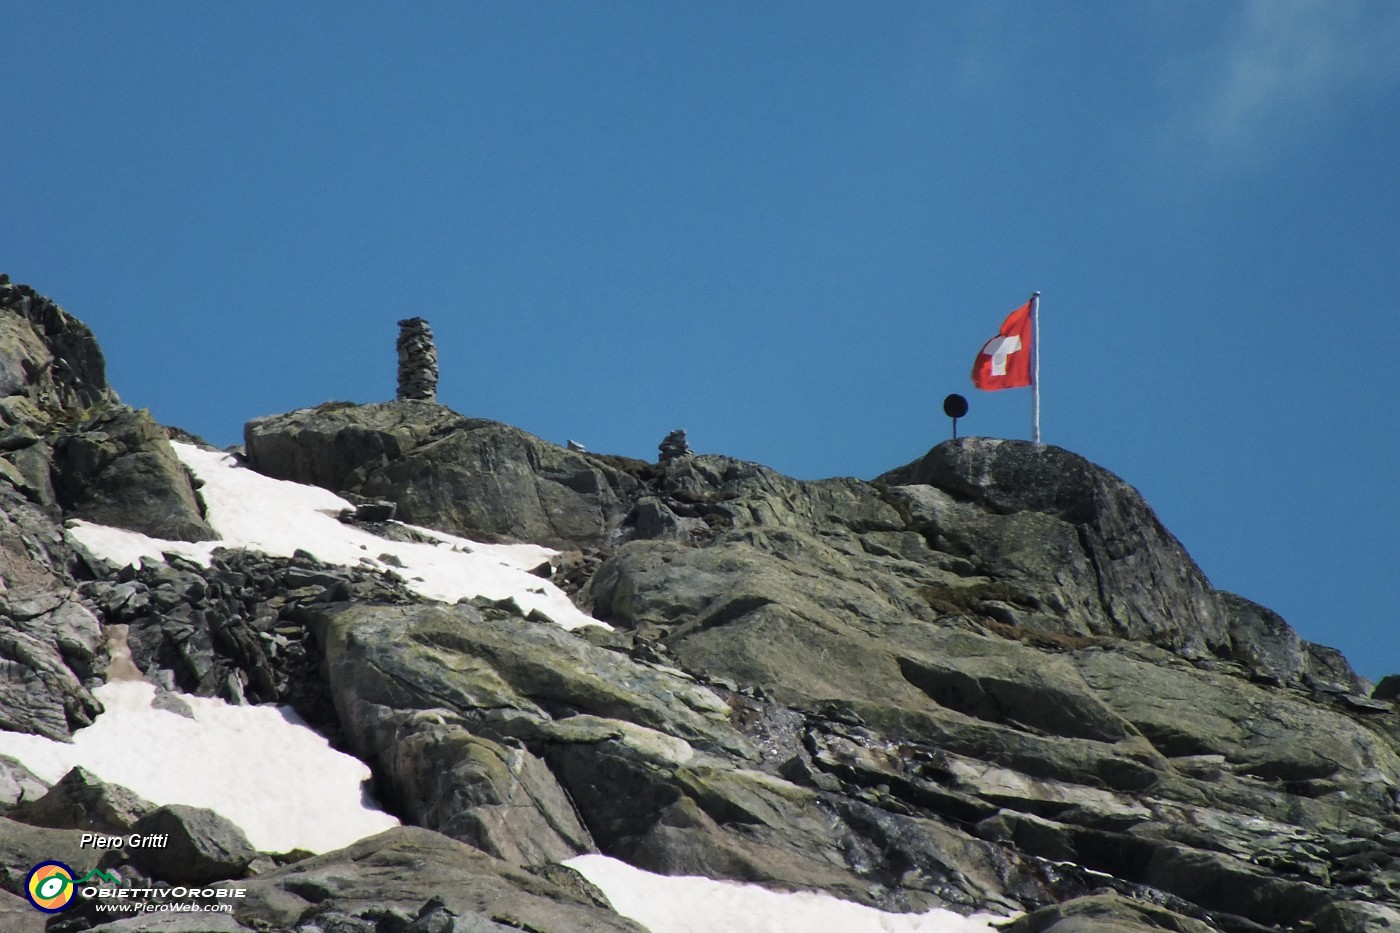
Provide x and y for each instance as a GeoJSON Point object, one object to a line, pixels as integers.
{"type": "Point", "coordinates": [50, 643]}
{"type": "Point", "coordinates": [66, 442]}
{"type": "Point", "coordinates": [48, 359]}
{"type": "Point", "coordinates": [67, 449]}
{"type": "Point", "coordinates": [200, 846]}
{"type": "Point", "coordinates": [118, 468]}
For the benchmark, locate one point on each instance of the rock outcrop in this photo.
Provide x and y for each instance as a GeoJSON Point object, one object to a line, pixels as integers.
{"type": "Point", "coordinates": [464, 475]}
{"type": "Point", "coordinates": [980, 681]}
{"type": "Point", "coordinates": [50, 364]}
{"type": "Point", "coordinates": [68, 449]}
{"type": "Point", "coordinates": [418, 881]}
{"type": "Point", "coordinates": [81, 800]}
{"type": "Point", "coordinates": [1149, 589]}
{"type": "Point", "coordinates": [987, 680]}
{"type": "Point", "coordinates": [67, 444]}
{"type": "Point", "coordinates": [199, 846]}
{"type": "Point", "coordinates": [117, 468]}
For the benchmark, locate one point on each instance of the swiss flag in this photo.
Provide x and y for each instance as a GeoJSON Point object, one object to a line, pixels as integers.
{"type": "Point", "coordinates": [1005, 361]}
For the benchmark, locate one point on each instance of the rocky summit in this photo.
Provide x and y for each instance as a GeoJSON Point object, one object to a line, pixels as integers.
{"type": "Point", "coordinates": [987, 681]}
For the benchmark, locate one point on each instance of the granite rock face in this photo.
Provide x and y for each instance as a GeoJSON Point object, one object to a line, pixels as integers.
{"type": "Point", "coordinates": [200, 846]}
{"type": "Point", "coordinates": [50, 644]}
{"type": "Point", "coordinates": [68, 449]}
{"type": "Point", "coordinates": [977, 682]}
{"type": "Point", "coordinates": [67, 445]}
{"type": "Point", "coordinates": [118, 469]}
{"type": "Point", "coordinates": [409, 875]}
{"type": "Point", "coordinates": [463, 475]}
{"type": "Point", "coordinates": [50, 656]}
{"type": "Point", "coordinates": [81, 800]}
{"type": "Point", "coordinates": [987, 680]}
{"type": "Point", "coordinates": [50, 362]}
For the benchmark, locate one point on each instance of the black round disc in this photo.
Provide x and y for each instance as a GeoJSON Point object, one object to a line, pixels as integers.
{"type": "Point", "coordinates": [955, 406]}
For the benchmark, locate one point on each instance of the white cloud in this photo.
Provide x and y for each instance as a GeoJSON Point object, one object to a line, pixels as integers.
{"type": "Point", "coordinates": [1289, 61]}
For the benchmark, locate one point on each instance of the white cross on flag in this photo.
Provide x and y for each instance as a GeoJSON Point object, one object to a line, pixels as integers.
{"type": "Point", "coordinates": [1005, 361]}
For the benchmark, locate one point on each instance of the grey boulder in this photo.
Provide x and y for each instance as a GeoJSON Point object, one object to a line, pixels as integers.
{"type": "Point", "coordinates": [82, 800]}
{"type": "Point", "coordinates": [199, 846]}
{"type": "Point", "coordinates": [456, 474]}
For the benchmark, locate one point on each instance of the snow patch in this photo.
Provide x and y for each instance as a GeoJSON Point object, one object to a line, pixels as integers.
{"type": "Point", "coordinates": [260, 766]}
{"type": "Point", "coordinates": [666, 904]}
{"type": "Point", "coordinates": [278, 518]}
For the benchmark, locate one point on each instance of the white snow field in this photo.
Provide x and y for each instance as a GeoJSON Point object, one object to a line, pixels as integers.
{"type": "Point", "coordinates": [259, 766]}
{"type": "Point", "coordinates": [277, 518]}
{"type": "Point", "coordinates": [666, 904]}
{"type": "Point", "coordinates": [282, 783]}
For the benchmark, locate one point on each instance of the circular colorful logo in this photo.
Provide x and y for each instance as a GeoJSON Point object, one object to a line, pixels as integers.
{"type": "Point", "coordinates": [49, 887]}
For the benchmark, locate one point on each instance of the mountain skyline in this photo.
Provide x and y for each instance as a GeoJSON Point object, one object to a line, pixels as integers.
{"type": "Point", "coordinates": [784, 229]}
{"type": "Point", "coordinates": [987, 682]}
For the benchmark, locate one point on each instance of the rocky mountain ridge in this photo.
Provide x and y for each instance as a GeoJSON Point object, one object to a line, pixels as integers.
{"type": "Point", "coordinates": [987, 680]}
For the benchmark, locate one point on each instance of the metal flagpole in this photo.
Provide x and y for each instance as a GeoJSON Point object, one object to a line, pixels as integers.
{"type": "Point", "coordinates": [1035, 367]}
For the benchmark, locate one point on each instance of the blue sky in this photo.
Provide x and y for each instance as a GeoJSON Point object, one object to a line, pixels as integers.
{"type": "Point", "coordinates": [784, 227]}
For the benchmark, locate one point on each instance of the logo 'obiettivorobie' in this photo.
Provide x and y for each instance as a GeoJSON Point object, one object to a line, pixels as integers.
{"type": "Point", "coordinates": [49, 887]}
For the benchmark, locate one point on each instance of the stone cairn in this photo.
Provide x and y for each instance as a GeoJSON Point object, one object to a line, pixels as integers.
{"type": "Point", "coordinates": [418, 369]}
{"type": "Point", "coordinates": [675, 446]}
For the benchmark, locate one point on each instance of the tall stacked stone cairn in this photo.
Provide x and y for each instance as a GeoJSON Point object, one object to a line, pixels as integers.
{"type": "Point", "coordinates": [418, 369]}
{"type": "Point", "coordinates": [674, 446]}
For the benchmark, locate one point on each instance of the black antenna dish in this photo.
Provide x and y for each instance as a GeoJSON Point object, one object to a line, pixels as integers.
{"type": "Point", "coordinates": [955, 406]}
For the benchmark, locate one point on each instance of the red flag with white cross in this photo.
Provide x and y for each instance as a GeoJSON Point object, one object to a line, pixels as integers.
{"type": "Point", "coordinates": [1004, 362]}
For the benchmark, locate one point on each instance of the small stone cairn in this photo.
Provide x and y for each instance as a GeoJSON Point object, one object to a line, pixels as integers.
{"type": "Point", "coordinates": [418, 369]}
{"type": "Point", "coordinates": [675, 446]}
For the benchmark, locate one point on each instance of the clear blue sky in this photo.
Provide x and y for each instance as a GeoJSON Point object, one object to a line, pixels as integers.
{"type": "Point", "coordinates": [785, 227]}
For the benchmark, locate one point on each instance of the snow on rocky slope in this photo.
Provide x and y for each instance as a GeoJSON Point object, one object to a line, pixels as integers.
{"type": "Point", "coordinates": [282, 783]}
